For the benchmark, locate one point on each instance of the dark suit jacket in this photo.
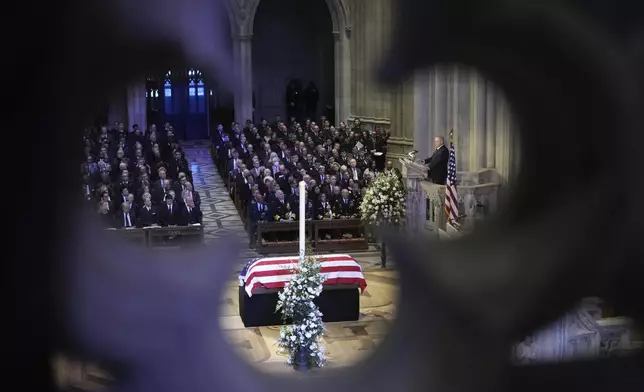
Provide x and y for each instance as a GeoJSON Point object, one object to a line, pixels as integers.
{"type": "Point", "coordinates": [120, 219]}
{"type": "Point", "coordinates": [166, 218]}
{"type": "Point", "coordinates": [186, 218]}
{"type": "Point", "coordinates": [437, 164]}
{"type": "Point", "coordinates": [148, 218]}
{"type": "Point", "coordinates": [196, 198]}
{"type": "Point", "coordinates": [258, 214]}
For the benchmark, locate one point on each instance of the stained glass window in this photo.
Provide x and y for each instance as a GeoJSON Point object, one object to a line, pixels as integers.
{"type": "Point", "coordinates": [167, 93]}
{"type": "Point", "coordinates": [152, 93]}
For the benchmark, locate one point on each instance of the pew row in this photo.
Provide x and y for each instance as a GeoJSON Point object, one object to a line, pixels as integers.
{"type": "Point", "coordinates": [172, 236]}
{"type": "Point", "coordinates": [269, 241]}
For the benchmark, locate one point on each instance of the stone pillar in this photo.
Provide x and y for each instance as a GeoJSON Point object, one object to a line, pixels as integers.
{"type": "Point", "coordinates": [422, 138]}
{"type": "Point", "coordinates": [504, 143]}
{"type": "Point", "coordinates": [137, 112]}
{"type": "Point", "coordinates": [244, 75]}
{"type": "Point", "coordinates": [342, 70]}
{"type": "Point", "coordinates": [477, 121]}
{"type": "Point", "coordinates": [439, 122]}
{"type": "Point", "coordinates": [490, 127]}
{"type": "Point", "coordinates": [371, 30]}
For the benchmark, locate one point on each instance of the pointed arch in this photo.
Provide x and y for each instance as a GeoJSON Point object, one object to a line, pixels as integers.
{"type": "Point", "coordinates": [337, 8]}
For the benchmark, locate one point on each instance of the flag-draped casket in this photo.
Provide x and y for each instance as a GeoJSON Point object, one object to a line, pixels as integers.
{"type": "Point", "coordinates": [262, 279]}
{"type": "Point", "coordinates": [275, 272]}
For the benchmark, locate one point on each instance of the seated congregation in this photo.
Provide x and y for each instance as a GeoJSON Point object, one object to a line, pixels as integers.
{"type": "Point", "coordinates": [139, 179]}
{"type": "Point", "coordinates": [264, 163]}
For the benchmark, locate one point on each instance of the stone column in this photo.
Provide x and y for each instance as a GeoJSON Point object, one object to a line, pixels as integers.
{"type": "Point", "coordinates": [370, 37]}
{"type": "Point", "coordinates": [504, 142]}
{"type": "Point", "coordinates": [422, 139]}
{"type": "Point", "coordinates": [244, 75]}
{"type": "Point", "coordinates": [490, 127]}
{"type": "Point", "coordinates": [137, 112]}
{"type": "Point", "coordinates": [477, 121]}
{"type": "Point", "coordinates": [440, 125]}
{"type": "Point", "coordinates": [342, 70]}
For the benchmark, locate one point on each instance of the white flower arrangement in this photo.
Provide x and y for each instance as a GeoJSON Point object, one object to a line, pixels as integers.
{"type": "Point", "coordinates": [296, 304]}
{"type": "Point", "coordinates": [384, 202]}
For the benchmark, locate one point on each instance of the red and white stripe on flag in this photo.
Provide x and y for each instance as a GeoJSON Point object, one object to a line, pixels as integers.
{"type": "Point", "coordinates": [275, 272]}
{"type": "Point", "coordinates": [451, 196]}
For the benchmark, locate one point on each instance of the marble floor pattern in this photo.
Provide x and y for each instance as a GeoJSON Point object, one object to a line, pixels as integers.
{"type": "Point", "coordinates": [346, 342]}
{"type": "Point", "coordinates": [220, 217]}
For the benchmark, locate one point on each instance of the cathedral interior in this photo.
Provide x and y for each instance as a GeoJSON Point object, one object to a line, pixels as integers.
{"type": "Point", "coordinates": [251, 62]}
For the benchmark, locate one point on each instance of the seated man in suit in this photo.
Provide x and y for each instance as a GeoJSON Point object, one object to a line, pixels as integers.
{"type": "Point", "coordinates": [194, 195]}
{"type": "Point", "coordinates": [437, 163]}
{"type": "Point", "coordinates": [281, 211]}
{"type": "Point", "coordinates": [345, 208]}
{"type": "Point", "coordinates": [148, 215]}
{"type": "Point", "coordinates": [168, 211]}
{"type": "Point", "coordinates": [126, 218]}
{"type": "Point", "coordinates": [106, 218]}
{"type": "Point", "coordinates": [189, 213]}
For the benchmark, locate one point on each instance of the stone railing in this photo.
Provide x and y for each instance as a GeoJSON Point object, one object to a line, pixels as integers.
{"type": "Point", "coordinates": [478, 197]}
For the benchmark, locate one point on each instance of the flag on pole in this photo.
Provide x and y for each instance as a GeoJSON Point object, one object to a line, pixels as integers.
{"type": "Point", "coordinates": [451, 197]}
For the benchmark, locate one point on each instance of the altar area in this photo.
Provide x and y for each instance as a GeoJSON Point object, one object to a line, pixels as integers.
{"type": "Point", "coordinates": [347, 343]}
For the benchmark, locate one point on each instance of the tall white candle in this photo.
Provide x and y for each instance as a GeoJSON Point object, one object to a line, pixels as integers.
{"type": "Point", "coordinates": [302, 218]}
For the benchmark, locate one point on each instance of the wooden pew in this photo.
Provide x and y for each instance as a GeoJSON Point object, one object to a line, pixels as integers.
{"type": "Point", "coordinates": [175, 236]}
{"type": "Point", "coordinates": [133, 236]}
{"type": "Point", "coordinates": [360, 242]}
{"type": "Point", "coordinates": [291, 246]}
{"type": "Point", "coordinates": [269, 246]}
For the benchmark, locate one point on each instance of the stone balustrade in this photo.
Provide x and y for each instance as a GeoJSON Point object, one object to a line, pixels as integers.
{"type": "Point", "coordinates": [478, 197]}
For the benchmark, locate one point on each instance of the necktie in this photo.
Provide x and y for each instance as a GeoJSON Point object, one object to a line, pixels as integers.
{"type": "Point", "coordinates": [189, 210]}
{"type": "Point", "coordinates": [261, 206]}
{"type": "Point", "coordinates": [170, 209]}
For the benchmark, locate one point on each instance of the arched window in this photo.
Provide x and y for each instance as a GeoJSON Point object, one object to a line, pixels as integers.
{"type": "Point", "coordinates": [152, 93]}
{"type": "Point", "coordinates": [196, 91]}
{"type": "Point", "coordinates": [168, 99]}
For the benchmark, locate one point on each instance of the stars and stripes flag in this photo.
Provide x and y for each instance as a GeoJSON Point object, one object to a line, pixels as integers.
{"type": "Point", "coordinates": [451, 197]}
{"type": "Point", "coordinates": [275, 272]}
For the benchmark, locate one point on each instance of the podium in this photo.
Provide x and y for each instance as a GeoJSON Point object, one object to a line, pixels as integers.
{"type": "Point", "coordinates": [414, 173]}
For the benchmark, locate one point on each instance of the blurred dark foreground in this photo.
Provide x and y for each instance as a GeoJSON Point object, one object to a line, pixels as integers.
{"type": "Point", "coordinates": [572, 70]}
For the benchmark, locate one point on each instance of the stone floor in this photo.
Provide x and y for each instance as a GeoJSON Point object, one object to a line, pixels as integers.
{"type": "Point", "coordinates": [346, 343]}
{"type": "Point", "coordinates": [220, 217]}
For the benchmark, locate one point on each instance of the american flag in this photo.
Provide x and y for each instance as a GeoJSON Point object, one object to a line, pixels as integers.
{"type": "Point", "coordinates": [451, 197]}
{"type": "Point", "coordinates": [275, 272]}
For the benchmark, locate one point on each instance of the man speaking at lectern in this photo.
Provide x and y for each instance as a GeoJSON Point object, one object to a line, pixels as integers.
{"type": "Point", "coordinates": [437, 163]}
